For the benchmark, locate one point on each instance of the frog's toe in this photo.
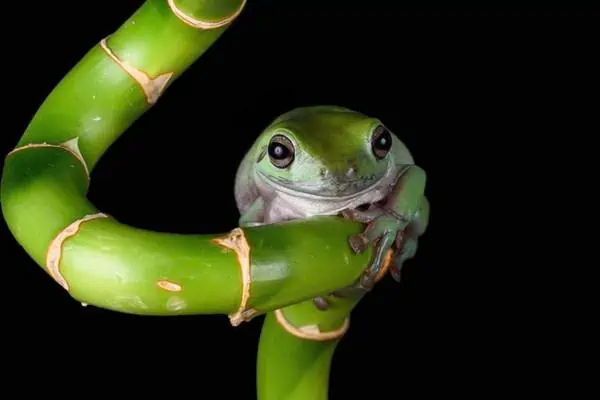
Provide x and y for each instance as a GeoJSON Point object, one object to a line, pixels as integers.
{"type": "Point", "coordinates": [358, 243]}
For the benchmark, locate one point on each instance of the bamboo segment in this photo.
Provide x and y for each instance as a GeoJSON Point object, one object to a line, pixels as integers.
{"type": "Point", "coordinates": [103, 262]}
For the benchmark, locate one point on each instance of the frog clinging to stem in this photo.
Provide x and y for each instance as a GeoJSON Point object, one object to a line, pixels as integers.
{"type": "Point", "coordinates": [330, 160]}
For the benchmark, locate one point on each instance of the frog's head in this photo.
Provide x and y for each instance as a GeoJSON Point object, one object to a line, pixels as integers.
{"type": "Point", "coordinates": [327, 151]}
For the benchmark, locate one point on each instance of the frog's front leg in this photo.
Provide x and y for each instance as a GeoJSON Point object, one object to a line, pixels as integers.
{"type": "Point", "coordinates": [408, 242]}
{"type": "Point", "coordinates": [399, 210]}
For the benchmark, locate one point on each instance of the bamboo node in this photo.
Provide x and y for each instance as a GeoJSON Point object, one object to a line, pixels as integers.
{"type": "Point", "coordinates": [71, 146]}
{"type": "Point", "coordinates": [202, 24]}
{"type": "Point", "coordinates": [152, 87]}
{"type": "Point", "coordinates": [54, 254]}
{"type": "Point", "coordinates": [236, 241]}
{"type": "Point", "coordinates": [311, 332]}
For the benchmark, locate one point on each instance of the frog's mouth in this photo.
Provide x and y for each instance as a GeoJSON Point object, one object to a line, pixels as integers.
{"type": "Point", "coordinates": [325, 188]}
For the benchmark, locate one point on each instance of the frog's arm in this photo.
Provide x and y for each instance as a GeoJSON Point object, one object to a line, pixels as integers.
{"type": "Point", "coordinates": [405, 200]}
{"type": "Point", "coordinates": [400, 210]}
{"type": "Point", "coordinates": [409, 240]}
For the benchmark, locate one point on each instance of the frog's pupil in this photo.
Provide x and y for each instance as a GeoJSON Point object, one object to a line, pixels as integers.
{"type": "Point", "coordinates": [383, 142]}
{"type": "Point", "coordinates": [278, 151]}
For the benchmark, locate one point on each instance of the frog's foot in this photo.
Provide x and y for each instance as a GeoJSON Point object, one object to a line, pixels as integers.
{"type": "Point", "coordinates": [378, 265]}
{"type": "Point", "coordinates": [385, 233]}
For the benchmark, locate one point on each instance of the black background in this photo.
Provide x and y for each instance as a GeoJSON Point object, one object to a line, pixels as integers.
{"type": "Point", "coordinates": [468, 88]}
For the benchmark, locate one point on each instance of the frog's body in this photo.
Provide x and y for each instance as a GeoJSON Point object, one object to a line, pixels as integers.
{"type": "Point", "coordinates": [329, 160]}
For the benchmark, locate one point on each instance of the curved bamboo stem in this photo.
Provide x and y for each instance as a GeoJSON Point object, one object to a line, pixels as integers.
{"type": "Point", "coordinates": [296, 348]}
{"type": "Point", "coordinates": [273, 269]}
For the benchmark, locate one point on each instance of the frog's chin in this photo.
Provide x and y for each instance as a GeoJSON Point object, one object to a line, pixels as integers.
{"type": "Point", "coordinates": [319, 192]}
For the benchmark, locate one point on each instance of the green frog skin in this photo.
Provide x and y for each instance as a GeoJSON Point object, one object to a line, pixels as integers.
{"type": "Point", "coordinates": [330, 160]}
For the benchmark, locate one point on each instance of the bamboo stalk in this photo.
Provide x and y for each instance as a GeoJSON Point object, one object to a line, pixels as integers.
{"type": "Point", "coordinates": [296, 348]}
{"type": "Point", "coordinates": [273, 269]}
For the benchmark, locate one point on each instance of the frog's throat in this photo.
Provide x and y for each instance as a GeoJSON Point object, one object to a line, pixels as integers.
{"type": "Point", "coordinates": [389, 175]}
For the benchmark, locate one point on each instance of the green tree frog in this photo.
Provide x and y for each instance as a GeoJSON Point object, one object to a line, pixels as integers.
{"type": "Point", "coordinates": [330, 160]}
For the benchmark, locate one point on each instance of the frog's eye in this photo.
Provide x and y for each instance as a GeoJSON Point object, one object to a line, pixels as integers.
{"type": "Point", "coordinates": [281, 151]}
{"type": "Point", "coordinates": [381, 143]}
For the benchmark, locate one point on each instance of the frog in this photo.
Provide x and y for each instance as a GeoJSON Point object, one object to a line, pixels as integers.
{"type": "Point", "coordinates": [330, 160]}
